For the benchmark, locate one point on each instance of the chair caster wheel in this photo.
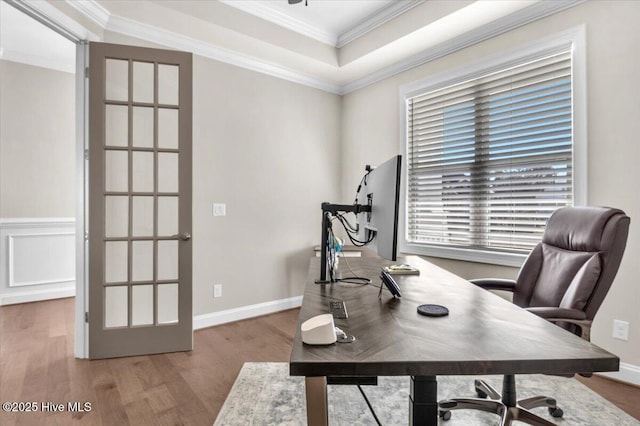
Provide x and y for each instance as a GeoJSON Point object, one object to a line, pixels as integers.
{"type": "Point", "coordinates": [445, 415]}
{"type": "Point", "coordinates": [481, 394]}
{"type": "Point", "coordinates": [556, 412]}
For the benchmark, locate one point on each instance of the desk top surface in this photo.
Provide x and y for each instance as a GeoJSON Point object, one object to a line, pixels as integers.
{"type": "Point", "coordinates": [483, 333]}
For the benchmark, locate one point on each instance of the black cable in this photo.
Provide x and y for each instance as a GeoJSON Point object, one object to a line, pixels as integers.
{"type": "Point", "coordinates": [369, 404]}
{"type": "Point", "coordinates": [359, 280]}
{"type": "Point", "coordinates": [354, 241]}
{"type": "Point", "coordinates": [355, 280]}
{"type": "Point", "coordinates": [345, 221]}
{"type": "Point", "coordinates": [363, 180]}
{"type": "Point", "coordinates": [332, 255]}
{"type": "Point", "coordinates": [359, 243]}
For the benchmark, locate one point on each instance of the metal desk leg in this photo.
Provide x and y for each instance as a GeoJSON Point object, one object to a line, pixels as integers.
{"type": "Point", "coordinates": [317, 408]}
{"type": "Point", "coordinates": [423, 401]}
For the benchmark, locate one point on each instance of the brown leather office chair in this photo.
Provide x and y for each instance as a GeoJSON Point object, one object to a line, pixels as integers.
{"type": "Point", "coordinates": [564, 279]}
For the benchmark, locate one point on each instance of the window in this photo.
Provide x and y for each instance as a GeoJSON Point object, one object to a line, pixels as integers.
{"type": "Point", "coordinates": [489, 158]}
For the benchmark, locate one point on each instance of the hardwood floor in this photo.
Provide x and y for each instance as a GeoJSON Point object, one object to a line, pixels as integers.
{"type": "Point", "coordinates": [37, 365]}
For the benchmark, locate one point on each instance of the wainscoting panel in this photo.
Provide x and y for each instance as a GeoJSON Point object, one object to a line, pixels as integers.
{"type": "Point", "coordinates": [37, 259]}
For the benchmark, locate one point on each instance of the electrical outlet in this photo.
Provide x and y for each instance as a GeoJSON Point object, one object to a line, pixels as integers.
{"type": "Point", "coordinates": [217, 290]}
{"type": "Point", "coordinates": [219, 209]}
{"type": "Point", "coordinates": [621, 330]}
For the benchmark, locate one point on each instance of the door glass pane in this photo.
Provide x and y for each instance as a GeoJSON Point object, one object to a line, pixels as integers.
{"type": "Point", "coordinates": [167, 172]}
{"type": "Point", "coordinates": [116, 216]}
{"type": "Point", "coordinates": [143, 82]}
{"type": "Point", "coordinates": [142, 171]}
{"type": "Point", "coordinates": [142, 221]}
{"type": "Point", "coordinates": [168, 84]}
{"type": "Point", "coordinates": [115, 261]}
{"type": "Point", "coordinates": [117, 80]}
{"type": "Point", "coordinates": [167, 128]}
{"type": "Point", "coordinates": [116, 304]}
{"type": "Point", "coordinates": [116, 125]}
{"type": "Point", "coordinates": [167, 216]}
{"type": "Point", "coordinates": [167, 260]}
{"type": "Point", "coordinates": [143, 127]}
{"type": "Point", "coordinates": [142, 261]}
{"type": "Point", "coordinates": [116, 171]}
{"type": "Point", "coordinates": [142, 305]}
{"type": "Point", "coordinates": [167, 303]}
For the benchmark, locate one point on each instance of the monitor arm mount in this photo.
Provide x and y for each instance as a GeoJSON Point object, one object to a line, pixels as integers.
{"type": "Point", "coordinates": [329, 209]}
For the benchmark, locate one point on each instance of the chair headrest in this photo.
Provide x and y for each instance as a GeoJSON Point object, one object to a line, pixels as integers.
{"type": "Point", "coordinates": [579, 228]}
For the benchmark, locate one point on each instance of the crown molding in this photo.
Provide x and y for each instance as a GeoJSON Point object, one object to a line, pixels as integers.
{"type": "Point", "coordinates": [177, 41]}
{"type": "Point", "coordinates": [146, 32]}
{"type": "Point", "coordinates": [369, 23]}
{"type": "Point", "coordinates": [92, 10]}
{"type": "Point", "coordinates": [375, 20]}
{"type": "Point", "coordinates": [495, 28]}
{"type": "Point", "coordinates": [269, 14]}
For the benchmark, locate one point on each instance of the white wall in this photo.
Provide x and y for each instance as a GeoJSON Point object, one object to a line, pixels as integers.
{"type": "Point", "coordinates": [370, 135]}
{"type": "Point", "coordinates": [37, 183]}
{"type": "Point", "coordinates": [269, 149]}
{"type": "Point", "coordinates": [37, 142]}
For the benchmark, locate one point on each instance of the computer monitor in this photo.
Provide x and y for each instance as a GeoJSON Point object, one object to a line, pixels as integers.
{"type": "Point", "coordinates": [376, 209]}
{"type": "Point", "coordinates": [380, 190]}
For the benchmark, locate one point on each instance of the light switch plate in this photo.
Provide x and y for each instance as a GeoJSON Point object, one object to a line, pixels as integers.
{"type": "Point", "coordinates": [219, 209]}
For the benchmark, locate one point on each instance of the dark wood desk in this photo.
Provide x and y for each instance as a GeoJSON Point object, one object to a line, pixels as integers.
{"type": "Point", "coordinates": [483, 334]}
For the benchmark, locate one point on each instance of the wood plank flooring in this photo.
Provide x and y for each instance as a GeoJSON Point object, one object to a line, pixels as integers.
{"type": "Point", "coordinates": [37, 364]}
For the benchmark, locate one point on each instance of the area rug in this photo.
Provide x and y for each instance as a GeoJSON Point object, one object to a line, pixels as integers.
{"type": "Point", "coordinates": [265, 394]}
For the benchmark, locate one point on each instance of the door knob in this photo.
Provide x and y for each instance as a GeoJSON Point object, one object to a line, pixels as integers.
{"type": "Point", "coordinates": [184, 236]}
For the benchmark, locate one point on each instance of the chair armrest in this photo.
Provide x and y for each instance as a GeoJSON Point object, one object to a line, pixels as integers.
{"type": "Point", "coordinates": [558, 314]}
{"type": "Point", "coordinates": [571, 316]}
{"type": "Point", "coordinates": [495, 284]}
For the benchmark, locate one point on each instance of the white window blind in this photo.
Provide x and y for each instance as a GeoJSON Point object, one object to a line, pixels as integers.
{"type": "Point", "coordinates": [489, 159]}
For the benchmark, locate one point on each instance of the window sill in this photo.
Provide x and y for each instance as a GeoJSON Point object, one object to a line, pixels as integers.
{"type": "Point", "coordinates": [469, 255]}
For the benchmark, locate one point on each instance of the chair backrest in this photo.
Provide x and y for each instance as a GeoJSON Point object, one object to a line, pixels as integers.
{"type": "Point", "coordinates": [575, 264]}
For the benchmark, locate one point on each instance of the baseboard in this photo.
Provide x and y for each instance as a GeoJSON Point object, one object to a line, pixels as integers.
{"type": "Point", "coordinates": [37, 295]}
{"type": "Point", "coordinates": [628, 373]}
{"type": "Point", "coordinates": [244, 312]}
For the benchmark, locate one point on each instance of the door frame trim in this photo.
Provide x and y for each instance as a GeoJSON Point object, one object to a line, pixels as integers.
{"type": "Point", "coordinates": [81, 341]}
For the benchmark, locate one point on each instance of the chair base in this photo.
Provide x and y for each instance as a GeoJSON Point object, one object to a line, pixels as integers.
{"type": "Point", "coordinates": [504, 405]}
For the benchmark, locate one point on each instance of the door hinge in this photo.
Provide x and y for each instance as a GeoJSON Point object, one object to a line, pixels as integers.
{"type": "Point", "coordinates": [86, 72]}
{"type": "Point", "coordinates": [86, 317]}
{"type": "Point", "coordinates": [86, 236]}
{"type": "Point", "coordinates": [86, 154]}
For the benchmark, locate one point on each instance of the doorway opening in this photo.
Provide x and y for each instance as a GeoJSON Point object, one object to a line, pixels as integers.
{"type": "Point", "coordinates": [41, 175]}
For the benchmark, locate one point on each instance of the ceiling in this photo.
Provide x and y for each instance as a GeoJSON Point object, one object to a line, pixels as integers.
{"type": "Point", "coordinates": [25, 40]}
{"type": "Point", "coordinates": [328, 21]}
{"type": "Point", "coordinates": [333, 45]}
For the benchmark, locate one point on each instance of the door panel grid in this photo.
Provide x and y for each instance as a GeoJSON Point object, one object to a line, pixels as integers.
{"type": "Point", "coordinates": [148, 170]}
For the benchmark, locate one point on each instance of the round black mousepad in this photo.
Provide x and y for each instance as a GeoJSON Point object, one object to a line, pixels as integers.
{"type": "Point", "coordinates": [433, 310]}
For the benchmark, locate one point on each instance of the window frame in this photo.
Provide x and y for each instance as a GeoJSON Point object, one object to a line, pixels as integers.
{"type": "Point", "coordinates": [573, 39]}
